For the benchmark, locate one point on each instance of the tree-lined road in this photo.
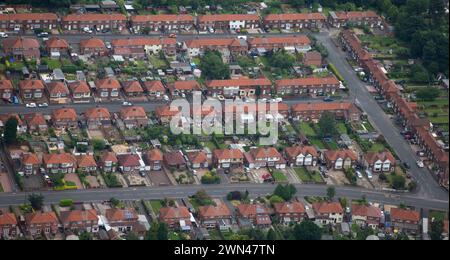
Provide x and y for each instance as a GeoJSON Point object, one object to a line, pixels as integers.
{"type": "Point", "coordinates": [221, 190]}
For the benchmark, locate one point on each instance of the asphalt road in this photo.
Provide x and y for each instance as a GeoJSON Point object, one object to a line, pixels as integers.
{"type": "Point", "coordinates": [221, 190]}
{"type": "Point", "coordinates": [116, 106]}
{"type": "Point", "coordinates": [429, 188]}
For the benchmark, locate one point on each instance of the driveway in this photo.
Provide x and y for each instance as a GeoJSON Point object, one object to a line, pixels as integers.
{"type": "Point", "coordinates": [159, 178]}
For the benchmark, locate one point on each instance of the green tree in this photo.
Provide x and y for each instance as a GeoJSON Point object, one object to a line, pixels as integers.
{"type": "Point", "coordinates": [85, 236]}
{"type": "Point", "coordinates": [275, 199]}
{"type": "Point", "coordinates": [331, 191]}
{"type": "Point", "coordinates": [286, 192]}
{"type": "Point", "coordinates": [213, 67]}
{"type": "Point", "coordinates": [163, 231]}
{"type": "Point", "coordinates": [307, 230]}
{"type": "Point", "coordinates": [281, 59]}
{"type": "Point", "coordinates": [428, 93]}
{"type": "Point", "coordinates": [398, 182]}
{"type": "Point", "coordinates": [10, 131]}
{"type": "Point", "coordinates": [131, 236]}
{"type": "Point", "coordinates": [437, 227]}
{"type": "Point", "coordinates": [327, 125]}
{"type": "Point", "coordinates": [36, 201]}
{"type": "Point", "coordinates": [271, 235]}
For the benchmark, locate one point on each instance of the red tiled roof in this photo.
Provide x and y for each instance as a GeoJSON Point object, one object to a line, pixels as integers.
{"type": "Point", "coordinates": [141, 42]}
{"type": "Point", "coordinates": [226, 154]}
{"type": "Point", "coordinates": [28, 16]}
{"type": "Point", "coordinates": [108, 157]}
{"type": "Point", "coordinates": [154, 85]}
{"type": "Point", "coordinates": [94, 17]}
{"type": "Point", "coordinates": [86, 161]}
{"type": "Point", "coordinates": [289, 207]}
{"type": "Point", "coordinates": [7, 219]}
{"type": "Point", "coordinates": [107, 83]}
{"type": "Point", "coordinates": [208, 42]}
{"type": "Point", "coordinates": [30, 159]}
{"type": "Point", "coordinates": [79, 87]}
{"type": "Point", "coordinates": [366, 211]}
{"type": "Point", "coordinates": [92, 43]}
{"type": "Point", "coordinates": [6, 84]}
{"type": "Point", "coordinates": [286, 40]}
{"type": "Point", "coordinates": [405, 214]}
{"type": "Point", "coordinates": [197, 157]}
{"type": "Point", "coordinates": [79, 216]}
{"type": "Point", "coordinates": [309, 81]}
{"type": "Point", "coordinates": [269, 152]}
{"type": "Point", "coordinates": [162, 18]}
{"type": "Point", "coordinates": [252, 209]}
{"type": "Point", "coordinates": [239, 82]}
{"type": "Point", "coordinates": [132, 112]}
{"type": "Point", "coordinates": [227, 17]}
{"type": "Point", "coordinates": [41, 218]}
{"type": "Point", "coordinates": [297, 150]}
{"type": "Point", "coordinates": [356, 14]}
{"type": "Point", "coordinates": [321, 106]}
{"type": "Point", "coordinates": [295, 16]}
{"type": "Point", "coordinates": [212, 211]}
{"type": "Point", "coordinates": [60, 158]}
{"type": "Point", "coordinates": [31, 84]}
{"type": "Point", "coordinates": [372, 157]}
{"type": "Point", "coordinates": [334, 155]}
{"type": "Point", "coordinates": [64, 114]}
{"type": "Point", "coordinates": [174, 213]}
{"type": "Point", "coordinates": [174, 158]}
{"type": "Point", "coordinates": [327, 207]}
{"type": "Point", "coordinates": [97, 113]}
{"type": "Point", "coordinates": [56, 42]}
{"type": "Point", "coordinates": [154, 155]}
{"type": "Point", "coordinates": [21, 43]}
{"type": "Point", "coordinates": [132, 87]}
{"type": "Point", "coordinates": [57, 88]}
{"type": "Point", "coordinates": [35, 119]}
{"type": "Point", "coordinates": [128, 160]}
{"type": "Point", "coordinates": [128, 214]}
{"type": "Point", "coordinates": [185, 85]}
{"type": "Point", "coordinates": [166, 111]}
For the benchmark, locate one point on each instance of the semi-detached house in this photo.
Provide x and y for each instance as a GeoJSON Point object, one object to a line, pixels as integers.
{"type": "Point", "coordinates": [162, 22]}
{"type": "Point", "coordinates": [239, 87]}
{"type": "Point", "coordinates": [294, 21]}
{"type": "Point", "coordinates": [77, 22]}
{"type": "Point", "coordinates": [228, 21]}
{"type": "Point", "coordinates": [28, 21]}
{"type": "Point", "coordinates": [307, 86]}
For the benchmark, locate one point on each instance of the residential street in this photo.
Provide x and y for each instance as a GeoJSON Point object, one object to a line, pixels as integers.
{"type": "Point", "coordinates": [428, 187]}
{"type": "Point", "coordinates": [183, 191]}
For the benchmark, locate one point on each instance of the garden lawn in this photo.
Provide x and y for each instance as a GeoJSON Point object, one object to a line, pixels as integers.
{"type": "Point", "coordinates": [279, 176]}
{"type": "Point", "coordinates": [317, 142]}
{"type": "Point", "coordinates": [306, 129]}
{"type": "Point", "coordinates": [157, 62]}
{"type": "Point", "coordinates": [303, 174]}
{"type": "Point", "coordinates": [376, 147]}
{"type": "Point", "coordinates": [342, 129]}
{"type": "Point", "coordinates": [316, 176]}
{"type": "Point", "coordinates": [156, 205]}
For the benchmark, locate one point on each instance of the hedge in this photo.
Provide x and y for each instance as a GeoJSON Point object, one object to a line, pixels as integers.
{"type": "Point", "coordinates": [335, 71]}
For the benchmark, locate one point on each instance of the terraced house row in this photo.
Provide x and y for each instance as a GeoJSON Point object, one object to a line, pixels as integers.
{"type": "Point", "coordinates": [405, 110]}
{"type": "Point", "coordinates": [170, 22]}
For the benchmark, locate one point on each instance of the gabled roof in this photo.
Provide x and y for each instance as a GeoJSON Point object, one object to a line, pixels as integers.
{"type": "Point", "coordinates": [30, 159]}
{"type": "Point", "coordinates": [41, 218]}
{"type": "Point", "coordinates": [227, 17]}
{"type": "Point", "coordinates": [372, 157]}
{"type": "Point", "coordinates": [86, 161]}
{"type": "Point", "coordinates": [154, 85]}
{"type": "Point", "coordinates": [6, 84]}
{"type": "Point", "coordinates": [294, 16]}
{"type": "Point", "coordinates": [59, 158]}
{"type": "Point", "coordinates": [327, 207]}
{"type": "Point", "coordinates": [31, 84]}
{"type": "Point", "coordinates": [197, 157]}
{"type": "Point", "coordinates": [356, 15]}
{"type": "Point", "coordinates": [92, 43]}
{"type": "Point", "coordinates": [345, 153]}
{"type": "Point", "coordinates": [405, 214]}
{"type": "Point", "coordinates": [128, 160]}
{"type": "Point", "coordinates": [174, 158]}
{"type": "Point", "coordinates": [128, 214]}
{"type": "Point", "coordinates": [289, 207]}
{"type": "Point", "coordinates": [21, 43]}
{"type": "Point", "coordinates": [284, 40]}
{"type": "Point", "coordinates": [166, 111]}
{"type": "Point", "coordinates": [212, 42]}
{"type": "Point", "coordinates": [64, 114]}
{"type": "Point", "coordinates": [252, 209]}
{"type": "Point", "coordinates": [366, 211]}
{"type": "Point", "coordinates": [162, 18]}
{"type": "Point", "coordinates": [56, 42]}
{"type": "Point", "coordinates": [185, 85]}
{"type": "Point", "coordinates": [330, 106]}
{"type": "Point", "coordinates": [57, 87]}
{"type": "Point", "coordinates": [239, 83]}
{"type": "Point", "coordinates": [28, 16]}
{"type": "Point", "coordinates": [309, 81]}
{"type": "Point", "coordinates": [97, 113]}
{"type": "Point", "coordinates": [132, 87]}
{"type": "Point", "coordinates": [94, 17]}
{"type": "Point", "coordinates": [295, 151]}
{"type": "Point", "coordinates": [108, 157]}
{"type": "Point", "coordinates": [79, 216]}
{"type": "Point", "coordinates": [107, 83]}
{"type": "Point", "coordinates": [79, 87]}
{"type": "Point", "coordinates": [7, 219]}
{"type": "Point", "coordinates": [174, 213]}
{"type": "Point", "coordinates": [132, 112]}
{"type": "Point", "coordinates": [154, 155]}
{"type": "Point", "coordinates": [34, 119]}
{"type": "Point", "coordinates": [226, 154]}
{"type": "Point", "coordinates": [141, 42]}
{"type": "Point", "coordinates": [211, 211]}
{"type": "Point", "coordinates": [261, 152]}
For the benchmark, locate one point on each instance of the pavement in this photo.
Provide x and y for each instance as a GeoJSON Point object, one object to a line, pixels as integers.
{"type": "Point", "coordinates": [221, 190]}
{"type": "Point", "coordinates": [429, 188]}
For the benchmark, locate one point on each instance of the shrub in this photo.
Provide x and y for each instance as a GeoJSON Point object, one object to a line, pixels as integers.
{"type": "Point", "coordinates": [66, 203]}
{"type": "Point", "coordinates": [210, 178]}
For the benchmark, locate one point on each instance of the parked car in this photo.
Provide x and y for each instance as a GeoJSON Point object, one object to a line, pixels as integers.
{"type": "Point", "coordinates": [108, 45]}
{"type": "Point", "coordinates": [31, 105]}
{"type": "Point", "coordinates": [406, 165]}
{"type": "Point", "coordinates": [43, 105]}
{"type": "Point", "coordinates": [369, 174]}
{"type": "Point", "coordinates": [328, 99]}
{"type": "Point", "coordinates": [358, 173]}
{"type": "Point", "coordinates": [420, 164]}
{"type": "Point", "coordinates": [142, 174]}
{"type": "Point", "coordinates": [127, 104]}
{"type": "Point", "coordinates": [421, 153]}
{"type": "Point", "coordinates": [172, 35]}
{"type": "Point", "coordinates": [3, 35]}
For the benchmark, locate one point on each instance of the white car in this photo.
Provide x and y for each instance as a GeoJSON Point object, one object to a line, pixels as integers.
{"type": "Point", "coordinates": [87, 30]}
{"type": "Point", "coordinates": [3, 35]}
{"type": "Point", "coordinates": [420, 164]}
{"type": "Point", "coordinates": [358, 173]}
{"type": "Point", "coordinates": [127, 104]}
{"type": "Point", "coordinates": [166, 98]}
{"type": "Point", "coordinates": [220, 97]}
{"type": "Point", "coordinates": [369, 174]}
{"type": "Point", "coordinates": [43, 105]}
{"type": "Point", "coordinates": [31, 105]}
{"type": "Point", "coordinates": [108, 45]}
